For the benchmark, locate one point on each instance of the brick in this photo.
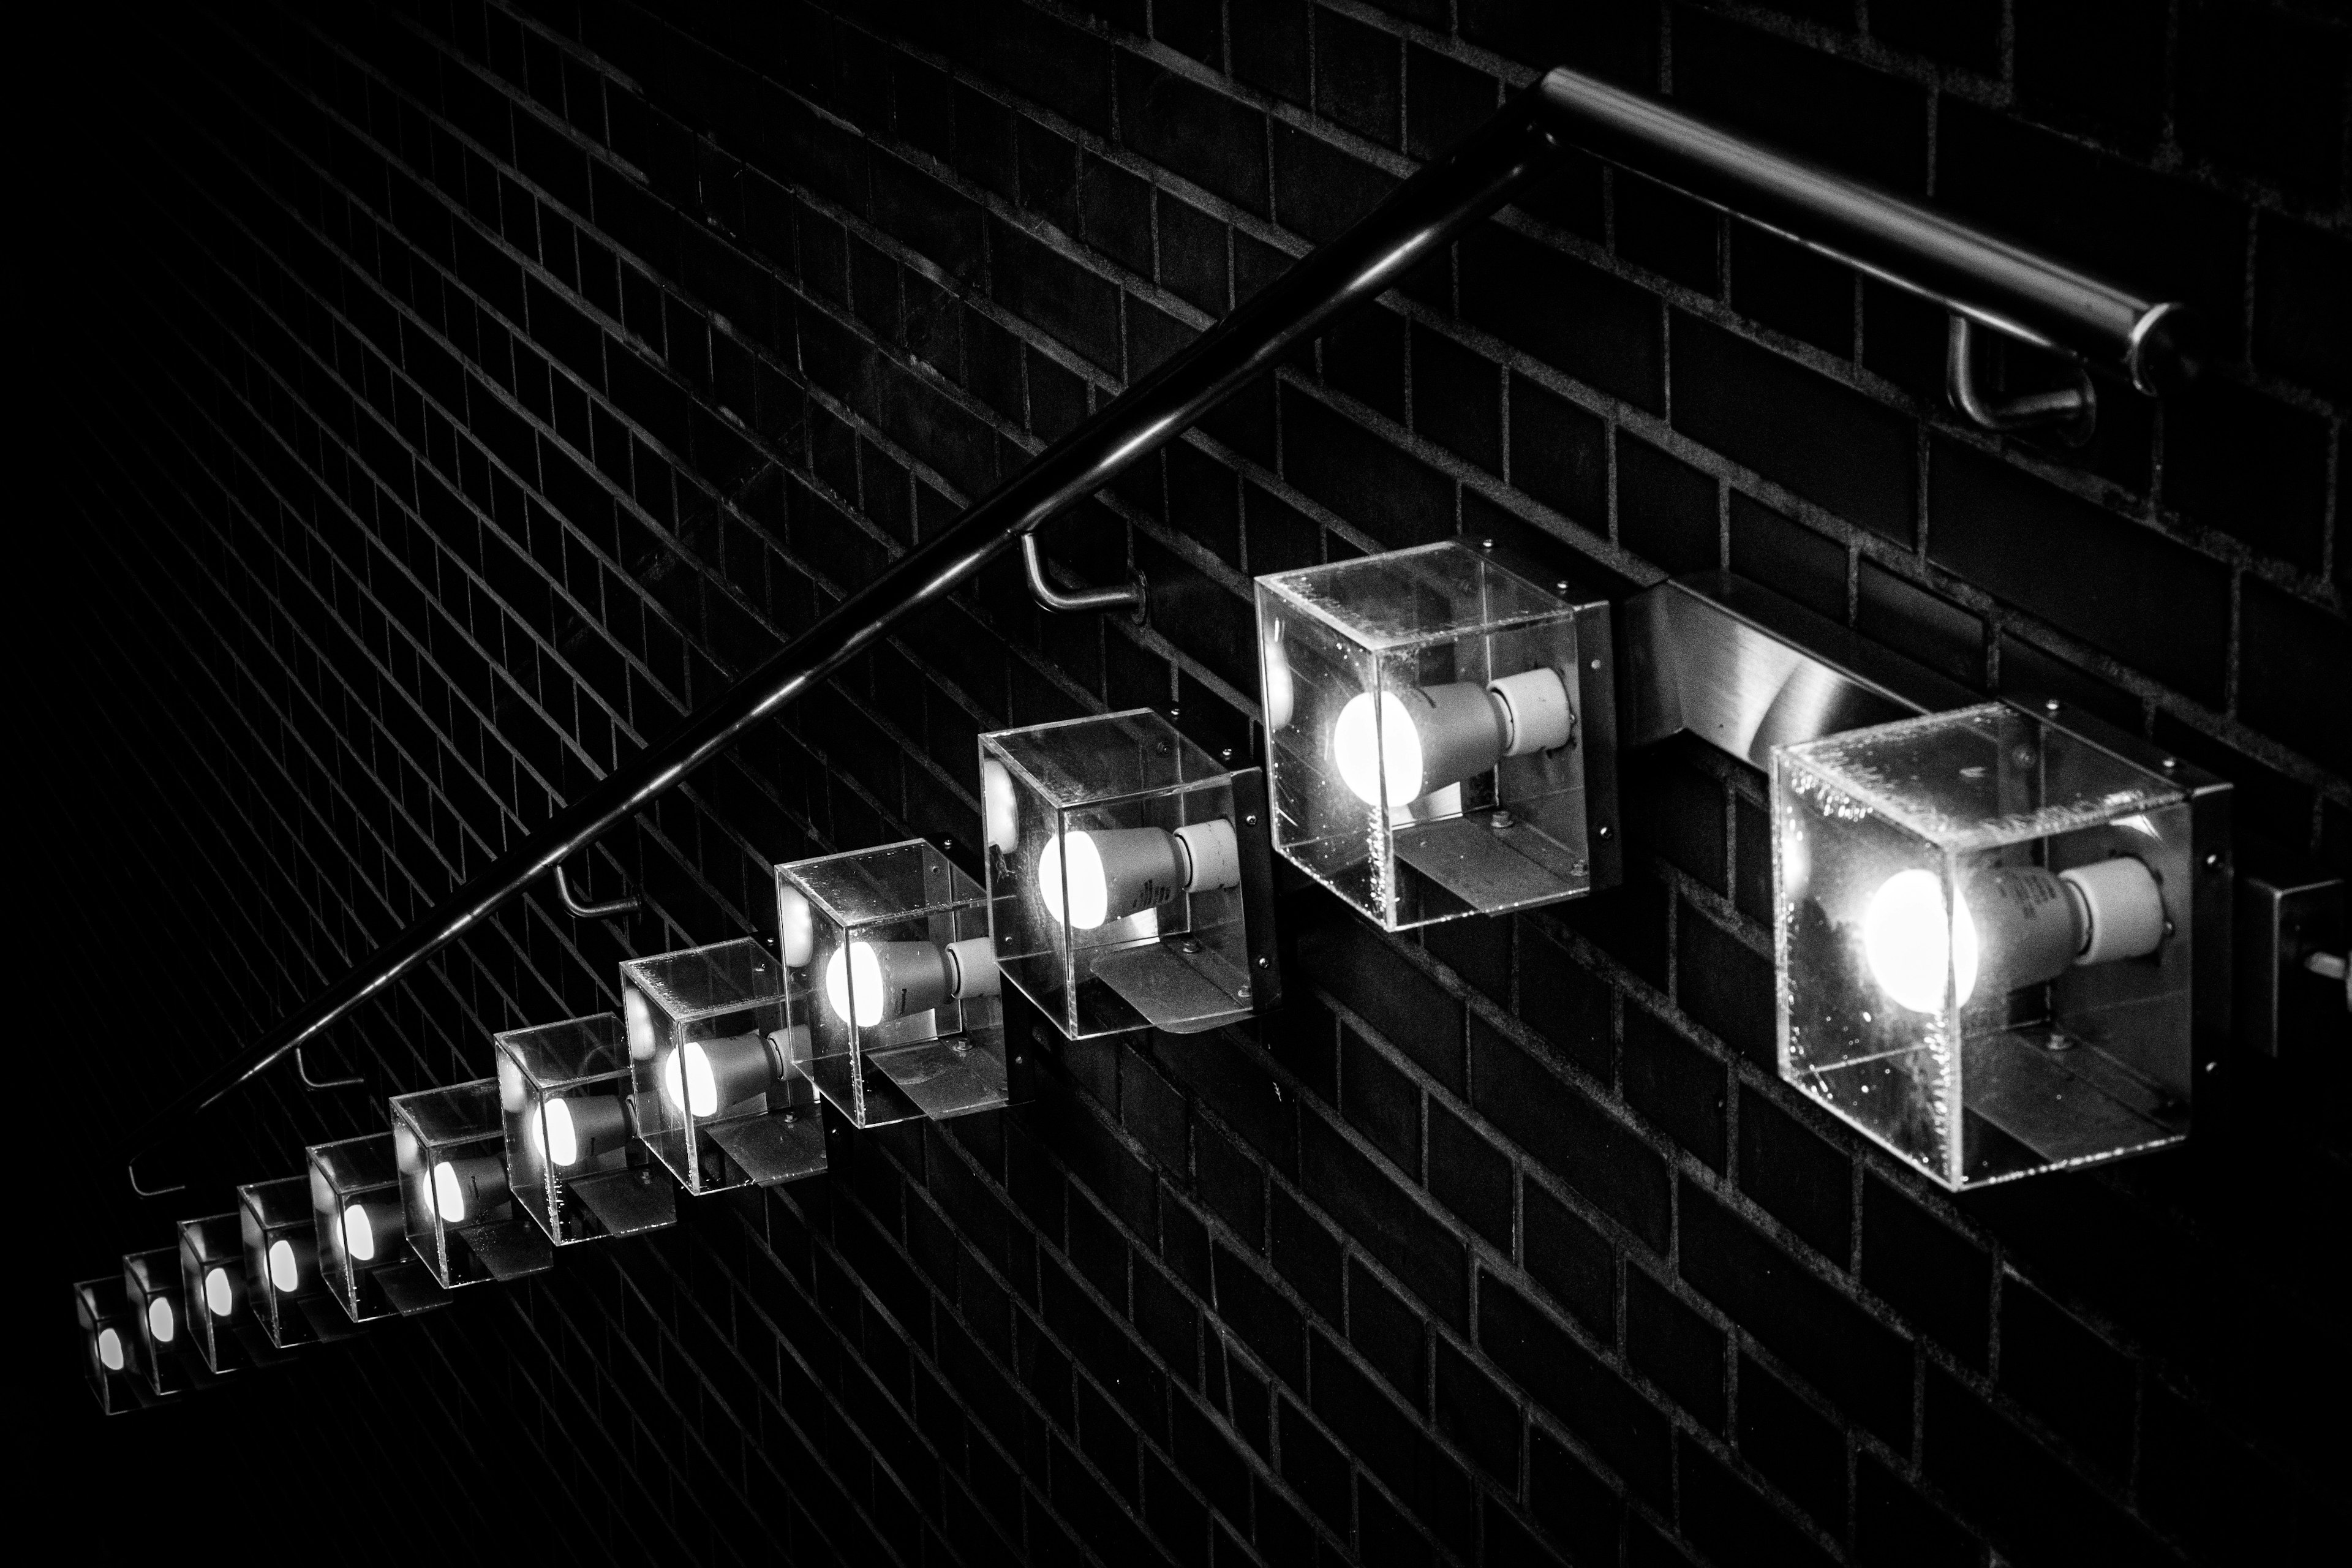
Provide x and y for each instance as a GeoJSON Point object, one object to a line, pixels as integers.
{"type": "Point", "coordinates": [2291, 675]}
{"type": "Point", "coordinates": [1563, 1001]}
{"type": "Point", "coordinates": [1573, 1506]}
{"type": "Point", "coordinates": [1213, 142]}
{"type": "Point", "coordinates": [1560, 454]}
{"type": "Point", "coordinates": [1792, 1445]}
{"type": "Point", "coordinates": [2099, 68]}
{"type": "Point", "coordinates": [1863, 1367]}
{"type": "Point", "coordinates": [1790, 289]}
{"type": "Point", "coordinates": [1389, 1442]}
{"type": "Point", "coordinates": [1457, 399]}
{"type": "Point", "coordinates": [1565, 1131]}
{"type": "Point", "coordinates": [1319, 190]}
{"type": "Point", "coordinates": [1965, 33]}
{"type": "Point", "coordinates": [1585, 1395]}
{"type": "Point", "coordinates": [1261, 1316]}
{"type": "Point", "coordinates": [2303, 305]}
{"type": "Point", "coordinates": [1919, 625]}
{"type": "Point", "coordinates": [2249, 466]}
{"type": "Point", "coordinates": [1444, 101]}
{"type": "Point", "coordinates": [1854, 119]}
{"type": "Point", "coordinates": [1315, 1468]}
{"type": "Point", "coordinates": [1620, 45]}
{"type": "Point", "coordinates": [2148, 601]}
{"type": "Point", "coordinates": [2262, 92]}
{"type": "Point", "coordinates": [2016, 1492]}
{"type": "Point", "coordinates": [1666, 509]}
{"type": "Point", "coordinates": [1358, 76]}
{"type": "Point", "coordinates": [1194, 258]}
{"type": "Point", "coordinates": [1407, 1240]}
{"type": "Point", "coordinates": [1723, 1515]}
{"type": "Point", "coordinates": [1270, 48]}
{"type": "Point", "coordinates": [1675, 1348]}
{"type": "Point", "coordinates": [1380, 1101]}
{"type": "Point", "coordinates": [2057, 1368]}
{"type": "Point", "coordinates": [1365, 358]}
{"type": "Point", "coordinates": [1786, 556]}
{"type": "Point", "coordinates": [1307, 1254]}
{"type": "Point", "coordinates": [1387, 1332]}
{"type": "Point", "coordinates": [1573, 317]}
{"type": "Point", "coordinates": [1390, 495]}
{"type": "Point", "coordinates": [1469, 1175]}
{"type": "Point", "coordinates": [1404, 1006]}
{"type": "Point", "coordinates": [1676, 1085]}
{"type": "Point", "coordinates": [1800, 1180]}
{"type": "Point", "coordinates": [1725, 985]}
{"type": "Point", "coordinates": [1825, 441]}
{"type": "Point", "coordinates": [1056, 294]}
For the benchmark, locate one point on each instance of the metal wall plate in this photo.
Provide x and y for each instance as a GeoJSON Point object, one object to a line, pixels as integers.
{"type": "Point", "coordinates": [2284, 917]}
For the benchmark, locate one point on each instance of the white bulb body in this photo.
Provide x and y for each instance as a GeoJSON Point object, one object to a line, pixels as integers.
{"type": "Point", "coordinates": [1088, 878]}
{"type": "Point", "coordinates": [162, 1323]}
{"type": "Point", "coordinates": [220, 1292]}
{"type": "Point", "coordinates": [2013, 926]}
{"type": "Point", "coordinates": [870, 983]}
{"type": "Point", "coordinates": [1425, 738]}
{"type": "Point", "coordinates": [583, 1128]}
{"type": "Point", "coordinates": [109, 1350]}
{"type": "Point", "coordinates": [465, 1189]}
{"type": "Point", "coordinates": [703, 1077]}
{"type": "Point", "coordinates": [285, 1267]}
{"type": "Point", "coordinates": [359, 1232]}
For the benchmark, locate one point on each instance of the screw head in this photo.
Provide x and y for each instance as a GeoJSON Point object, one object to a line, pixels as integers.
{"type": "Point", "coordinates": [1602, 831]}
{"type": "Point", "coordinates": [2050, 706]}
{"type": "Point", "coordinates": [2169, 763]}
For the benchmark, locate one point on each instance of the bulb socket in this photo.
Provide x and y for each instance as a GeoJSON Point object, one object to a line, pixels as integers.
{"type": "Point", "coordinates": [2121, 905]}
{"type": "Point", "coordinates": [1534, 711]}
{"type": "Point", "coordinates": [972, 969]}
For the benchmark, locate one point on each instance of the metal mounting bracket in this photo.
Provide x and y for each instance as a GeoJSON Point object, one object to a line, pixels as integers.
{"type": "Point", "coordinates": [2071, 412]}
{"type": "Point", "coordinates": [2288, 917]}
{"type": "Point", "coordinates": [303, 1071]}
{"type": "Point", "coordinates": [1128, 597]}
{"type": "Point", "coordinates": [583, 910]}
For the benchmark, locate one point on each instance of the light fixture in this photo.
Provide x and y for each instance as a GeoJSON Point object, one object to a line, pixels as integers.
{"type": "Point", "coordinates": [284, 1288]}
{"type": "Point", "coordinates": [570, 1148]}
{"type": "Point", "coordinates": [161, 1350]}
{"type": "Point", "coordinates": [1129, 882]}
{"type": "Point", "coordinates": [717, 1100]}
{"type": "Point", "coordinates": [1440, 735]}
{"type": "Point", "coordinates": [102, 1312]}
{"type": "Point", "coordinates": [461, 1218]}
{"type": "Point", "coordinates": [892, 985]}
{"type": "Point", "coordinates": [1995, 928]}
{"type": "Point", "coordinates": [219, 1304]}
{"type": "Point", "coordinates": [363, 1231]}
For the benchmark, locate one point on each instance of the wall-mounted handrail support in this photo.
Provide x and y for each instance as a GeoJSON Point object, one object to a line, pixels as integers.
{"type": "Point", "coordinates": [1130, 597]}
{"type": "Point", "coordinates": [315, 1085]}
{"type": "Point", "coordinates": [2071, 411]}
{"type": "Point", "coordinates": [580, 909]}
{"type": "Point", "coordinates": [1995, 283]}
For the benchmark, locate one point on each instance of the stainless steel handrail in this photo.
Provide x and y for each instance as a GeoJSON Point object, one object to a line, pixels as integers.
{"type": "Point", "coordinates": [1998, 284]}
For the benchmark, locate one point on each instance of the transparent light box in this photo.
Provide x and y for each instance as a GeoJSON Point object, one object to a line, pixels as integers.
{"type": "Point", "coordinates": [572, 1150]}
{"type": "Point", "coordinates": [1986, 929]}
{"type": "Point", "coordinates": [719, 1101]}
{"type": "Point", "coordinates": [462, 1220]}
{"type": "Point", "coordinates": [102, 1312]}
{"type": "Point", "coordinates": [1128, 881]}
{"type": "Point", "coordinates": [361, 1226]}
{"type": "Point", "coordinates": [221, 1325]}
{"type": "Point", "coordinates": [160, 1348]}
{"type": "Point", "coordinates": [891, 989]}
{"type": "Point", "coordinates": [1439, 734]}
{"type": "Point", "coordinates": [285, 1289]}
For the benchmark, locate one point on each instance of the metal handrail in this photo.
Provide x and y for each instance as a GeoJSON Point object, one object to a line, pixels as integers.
{"type": "Point", "coordinates": [1995, 283]}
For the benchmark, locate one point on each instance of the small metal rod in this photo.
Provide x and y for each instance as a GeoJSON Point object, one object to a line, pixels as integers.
{"type": "Point", "coordinates": [303, 1071]}
{"type": "Point", "coordinates": [2072, 411]}
{"type": "Point", "coordinates": [583, 910]}
{"type": "Point", "coordinates": [1053, 598]}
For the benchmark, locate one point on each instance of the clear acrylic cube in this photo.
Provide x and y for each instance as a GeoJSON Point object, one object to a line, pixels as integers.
{"type": "Point", "coordinates": [462, 1219]}
{"type": "Point", "coordinates": [572, 1150]}
{"type": "Point", "coordinates": [361, 1225]}
{"type": "Point", "coordinates": [219, 1304]}
{"type": "Point", "coordinates": [285, 1289]}
{"type": "Point", "coordinates": [1440, 735]}
{"type": "Point", "coordinates": [891, 987]}
{"type": "Point", "coordinates": [1986, 929]}
{"type": "Point", "coordinates": [719, 1101]}
{"type": "Point", "coordinates": [102, 1312]}
{"type": "Point", "coordinates": [160, 1351]}
{"type": "Point", "coordinates": [1128, 881]}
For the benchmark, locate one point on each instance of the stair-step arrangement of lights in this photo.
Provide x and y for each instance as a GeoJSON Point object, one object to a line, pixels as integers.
{"type": "Point", "coordinates": [2002, 935]}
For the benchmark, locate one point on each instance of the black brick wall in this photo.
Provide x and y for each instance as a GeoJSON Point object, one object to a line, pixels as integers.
{"type": "Point", "coordinates": [453, 394]}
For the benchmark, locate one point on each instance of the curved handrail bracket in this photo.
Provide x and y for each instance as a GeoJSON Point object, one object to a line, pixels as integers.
{"type": "Point", "coordinates": [2071, 412]}
{"type": "Point", "coordinates": [582, 908]}
{"type": "Point", "coordinates": [1131, 598]}
{"type": "Point", "coordinates": [1990, 280]}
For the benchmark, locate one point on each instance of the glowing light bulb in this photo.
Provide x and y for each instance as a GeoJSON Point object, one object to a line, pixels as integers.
{"type": "Point", "coordinates": [163, 1325]}
{"type": "Point", "coordinates": [562, 1143]}
{"type": "Point", "coordinates": [1080, 869]}
{"type": "Point", "coordinates": [448, 1194]}
{"type": "Point", "coordinates": [359, 1235]}
{"type": "Point", "coordinates": [1910, 945]}
{"type": "Point", "coordinates": [220, 1295]}
{"type": "Point", "coordinates": [688, 1082]}
{"type": "Point", "coordinates": [285, 1272]}
{"type": "Point", "coordinates": [1379, 762]}
{"type": "Point", "coordinates": [855, 972]}
{"type": "Point", "coordinates": [109, 1350]}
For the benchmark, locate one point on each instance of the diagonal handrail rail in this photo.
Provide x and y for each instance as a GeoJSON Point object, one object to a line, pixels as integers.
{"type": "Point", "coordinates": [1987, 280]}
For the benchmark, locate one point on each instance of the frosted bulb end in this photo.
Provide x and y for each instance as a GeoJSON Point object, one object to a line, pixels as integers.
{"type": "Point", "coordinates": [162, 1324]}
{"type": "Point", "coordinates": [109, 1350]}
{"type": "Point", "coordinates": [284, 1271]}
{"type": "Point", "coordinates": [220, 1295]}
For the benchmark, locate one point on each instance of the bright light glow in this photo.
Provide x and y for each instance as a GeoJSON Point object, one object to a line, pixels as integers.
{"type": "Point", "coordinates": [1089, 889]}
{"type": "Point", "coordinates": [855, 969]}
{"type": "Point", "coordinates": [448, 1193]}
{"type": "Point", "coordinates": [359, 1235]}
{"type": "Point", "coordinates": [1910, 945]}
{"type": "Point", "coordinates": [1364, 753]}
{"type": "Point", "coordinates": [219, 1294]}
{"type": "Point", "coordinates": [284, 1272]}
{"type": "Point", "coordinates": [688, 1082]}
{"type": "Point", "coordinates": [109, 1350]}
{"type": "Point", "coordinates": [563, 1138]}
{"type": "Point", "coordinates": [163, 1326]}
